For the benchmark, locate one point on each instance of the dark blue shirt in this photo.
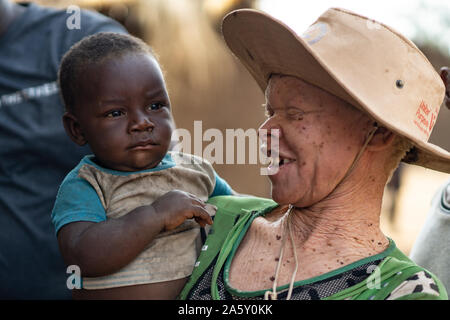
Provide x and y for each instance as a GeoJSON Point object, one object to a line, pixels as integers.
{"type": "Point", "coordinates": [35, 152]}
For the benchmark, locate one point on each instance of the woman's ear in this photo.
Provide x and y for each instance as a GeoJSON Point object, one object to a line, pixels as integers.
{"type": "Point", "coordinates": [73, 129]}
{"type": "Point", "coordinates": [382, 139]}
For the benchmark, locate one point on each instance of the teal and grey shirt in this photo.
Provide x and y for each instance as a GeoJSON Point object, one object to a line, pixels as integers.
{"type": "Point", "coordinates": [93, 193]}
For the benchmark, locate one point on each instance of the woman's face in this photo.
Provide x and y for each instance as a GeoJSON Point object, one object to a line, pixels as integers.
{"type": "Point", "coordinates": [319, 137]}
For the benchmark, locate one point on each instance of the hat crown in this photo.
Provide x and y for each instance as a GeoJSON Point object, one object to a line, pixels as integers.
{"type": "Point", "coordinates": [381, 69]}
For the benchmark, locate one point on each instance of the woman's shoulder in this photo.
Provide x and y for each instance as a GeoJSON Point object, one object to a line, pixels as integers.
{"type": "Point", "coordinates": [394, 277]}
{"type": "Point", "coordinates": [399, 278]}
{"type": "Point", "coordinates": [421, 285]}
{"type": "Point", "coordinates": [411, 281]}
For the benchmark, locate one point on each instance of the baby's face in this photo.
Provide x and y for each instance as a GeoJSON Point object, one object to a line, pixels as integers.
{"type": "Point", "coordinates": [124, 112]}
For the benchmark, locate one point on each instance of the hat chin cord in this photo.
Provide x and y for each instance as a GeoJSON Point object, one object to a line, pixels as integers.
{"type": "Point", "coordinates": [272, 295]}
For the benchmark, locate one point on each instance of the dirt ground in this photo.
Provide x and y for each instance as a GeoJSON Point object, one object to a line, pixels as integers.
{"type": "Point", "coordinates": [418, 185]}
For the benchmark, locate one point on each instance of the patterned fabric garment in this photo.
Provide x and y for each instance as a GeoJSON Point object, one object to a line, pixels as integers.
{"type": "Point", "coordinates": [419, 282]}
{"type": "Point", "coordinates": [314, 291]}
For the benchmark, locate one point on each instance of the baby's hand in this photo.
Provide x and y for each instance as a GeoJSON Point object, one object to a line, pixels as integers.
{"type": "Point", "coordinates": [176, 206]}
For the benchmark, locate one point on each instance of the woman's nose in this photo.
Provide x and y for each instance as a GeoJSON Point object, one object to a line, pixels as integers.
{"type": "Point", "coordinates": [141, 122]}
{"type": "Point", "coordinates": [270, 129]}
{"type": "Point", "coordinates": [270, 133]}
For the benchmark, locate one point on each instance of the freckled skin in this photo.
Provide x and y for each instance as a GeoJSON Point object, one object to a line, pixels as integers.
{"type": "Point", "coordinates": [330, 215]}
{"type": "Point", "coordinates": [317, 154]}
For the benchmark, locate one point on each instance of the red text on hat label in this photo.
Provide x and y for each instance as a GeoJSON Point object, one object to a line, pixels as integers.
{"type": "Point", "coordinates": [425, 118]}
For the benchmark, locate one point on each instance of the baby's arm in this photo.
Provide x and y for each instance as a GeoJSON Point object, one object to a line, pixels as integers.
{"type": "Point", "coordinates": [105, 247]}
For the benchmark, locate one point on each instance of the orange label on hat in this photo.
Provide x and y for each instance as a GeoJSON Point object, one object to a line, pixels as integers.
{"type": "Point", "coordinates": [425, 118]}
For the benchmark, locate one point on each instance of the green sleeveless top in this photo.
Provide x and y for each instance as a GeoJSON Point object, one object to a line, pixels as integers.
{"type": "Point", "coordinates": [394, 277]}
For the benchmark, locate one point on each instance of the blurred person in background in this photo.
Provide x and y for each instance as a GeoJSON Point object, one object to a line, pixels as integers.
{"type": "Point", "coordinates": [432, 246]}
{"type": "Point", "coordinates": [35, 152]}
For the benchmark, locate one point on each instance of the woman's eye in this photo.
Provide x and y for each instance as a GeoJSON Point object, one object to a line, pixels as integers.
{"type": "Point", "coordinates": [156, 106]}
{"type": "Point", "coordinates": [295, 114]}
{"type": "Point", "coordinates": [114, 114]}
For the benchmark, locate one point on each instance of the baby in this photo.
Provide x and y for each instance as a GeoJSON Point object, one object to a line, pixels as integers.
{"type": "Point", "coordinates": [129, 215]}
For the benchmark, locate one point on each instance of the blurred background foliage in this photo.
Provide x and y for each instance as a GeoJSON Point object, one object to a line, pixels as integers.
{"type": "Point", "coordinates": [207, 83]}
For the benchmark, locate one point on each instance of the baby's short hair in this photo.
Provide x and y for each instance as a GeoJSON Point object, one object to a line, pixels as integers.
{"type": "Point", "coordinates": [90, 50]}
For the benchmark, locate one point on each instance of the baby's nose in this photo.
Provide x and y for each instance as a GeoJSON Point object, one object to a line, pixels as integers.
{"type": "Point", "coordinates": [141, 122]}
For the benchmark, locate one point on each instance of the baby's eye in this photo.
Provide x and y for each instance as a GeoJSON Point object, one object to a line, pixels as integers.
{"type": "Point", "coordinates": [114, 114]}
{"type": "Point", "coordinates": [156, 105]}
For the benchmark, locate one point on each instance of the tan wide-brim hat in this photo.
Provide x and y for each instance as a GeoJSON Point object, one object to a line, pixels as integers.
{"type": "Point", "coordinates": [363, 62]}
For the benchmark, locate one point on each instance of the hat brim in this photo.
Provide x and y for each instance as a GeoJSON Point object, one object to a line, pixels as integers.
{"type": "Point", "coordinates": [267, 46]}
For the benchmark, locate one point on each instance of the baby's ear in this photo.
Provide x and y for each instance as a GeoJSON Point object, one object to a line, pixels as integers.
{"type": "Point", "coordinates": [73, 129]}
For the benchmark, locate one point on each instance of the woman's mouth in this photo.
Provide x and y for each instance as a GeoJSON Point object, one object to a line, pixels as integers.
{"type": "Point", "coordinates": [279, 163]}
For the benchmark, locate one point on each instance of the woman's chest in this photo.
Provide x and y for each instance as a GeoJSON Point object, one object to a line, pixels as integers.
{"type": "Point", "coordinates": [264, 259]}
{"type": "Point", "coordinates": [255, 262]}
{"type": "Point", "coordinates": [252, 269]}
